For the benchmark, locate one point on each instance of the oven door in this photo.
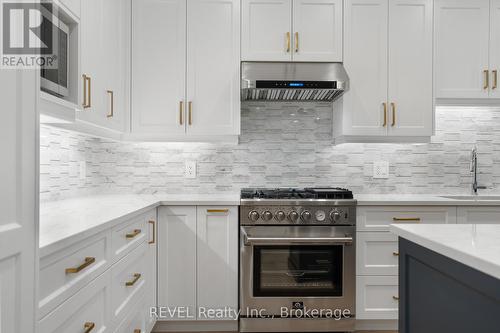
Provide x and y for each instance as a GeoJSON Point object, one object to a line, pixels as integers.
{"type": "Point", "coordinates": [293, 267]}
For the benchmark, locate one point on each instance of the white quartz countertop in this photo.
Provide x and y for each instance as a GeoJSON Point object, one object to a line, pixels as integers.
{"type": "Point", "coordinates": [66, 221]}
{"type": "Point", "coordinates": [477, 246]}
{"type": "Point", "coordinates": [425, 200]}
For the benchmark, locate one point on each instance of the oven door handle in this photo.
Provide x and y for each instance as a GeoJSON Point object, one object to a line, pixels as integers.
{"type": "Point", "coordinates": [248, 241]}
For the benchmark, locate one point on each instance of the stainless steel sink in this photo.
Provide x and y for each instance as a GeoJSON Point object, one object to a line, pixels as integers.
{"type": "Point", "coordinates": [473, 197]}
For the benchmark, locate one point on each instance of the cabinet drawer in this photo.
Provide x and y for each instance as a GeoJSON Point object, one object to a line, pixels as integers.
{"type": "Point", "coordinates": [378, 218]}
{"type": "Point", "coordinates": [377, 297]}
{"type": "Point", "coordinates": [478, 215]}
{"type": "Point", "coordinates": [128, 279]}
{"type": "Point", "coordinates": [128, 235]}
{"type": "Point", "coordinates": [376, 253]}
{"type": "Point", "coordinates": [133, 323]}
{"type": "Point", "coordinates": [87, 308]}
{"type": "Point", "coordinates": [65, 272]}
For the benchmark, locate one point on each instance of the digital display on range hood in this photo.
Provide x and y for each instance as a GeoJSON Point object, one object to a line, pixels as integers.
{"type": "Point", "coordinates": [266, 84]}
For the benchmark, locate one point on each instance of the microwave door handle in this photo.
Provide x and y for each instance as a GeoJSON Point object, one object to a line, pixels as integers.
{"type": "Point", "coordinates": [296, 240]}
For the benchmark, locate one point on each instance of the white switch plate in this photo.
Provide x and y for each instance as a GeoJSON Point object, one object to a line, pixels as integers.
{"type": "Point", "coordinates": [381, 169]}
{"type": "Point", "coordinates": [190, 169]}
{"type": "Point", "coordinates": [82, 170]}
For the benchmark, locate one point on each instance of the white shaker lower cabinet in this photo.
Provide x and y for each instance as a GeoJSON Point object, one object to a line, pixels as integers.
{"type": "Point", "coordinates": [177, 261]}
{"type": "Point", "coordinates": [378, 298]}
{"type": "Point", "coordinates": [377, 255]}
{"type": "Point", "coordinates": [478, 215]}
{"type": "Point", "coordinates": [197, 260]}
{"type": "Point", "coordinates": [217, 249]}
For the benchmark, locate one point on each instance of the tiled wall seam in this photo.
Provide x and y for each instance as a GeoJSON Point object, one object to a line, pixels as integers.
{"type": "Point", "coordinates": [281, 145]}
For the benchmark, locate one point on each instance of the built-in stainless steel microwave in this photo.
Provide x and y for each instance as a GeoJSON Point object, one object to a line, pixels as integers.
{"type": "Point", "coordinates": [54, 79]}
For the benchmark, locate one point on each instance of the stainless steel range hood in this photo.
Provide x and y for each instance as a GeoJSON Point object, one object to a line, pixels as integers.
{"type": "Point", "coordinates": [292, 81]}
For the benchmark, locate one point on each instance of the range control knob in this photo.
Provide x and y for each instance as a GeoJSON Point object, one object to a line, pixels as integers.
{"type": "Point", "coordinates": [253, 215]}
{"type": "Point", "coordinates": [306, 216]}
{"type": "Point", "coordinates": [267, 215]}
{"type": "Point", "coordinates": [293, 216]}
{"type": "Point", "coordinates": [335, 215]}
{"type": "Point", "coordinates": [280, 216]}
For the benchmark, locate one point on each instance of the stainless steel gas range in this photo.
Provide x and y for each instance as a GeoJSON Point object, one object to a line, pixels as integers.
{"type": "Point", "coordinates": [297, 260]}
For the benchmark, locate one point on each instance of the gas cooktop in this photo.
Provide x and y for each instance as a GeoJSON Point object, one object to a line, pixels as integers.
{"type": "Point", "coordinates": [332, 193]}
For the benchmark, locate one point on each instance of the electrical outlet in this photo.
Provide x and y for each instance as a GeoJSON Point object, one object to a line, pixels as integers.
{"type": "Point", "coordinates": [82, 170]}
{"type": "Point", "coordinates": [190, 169]}
{"type": "Point", "coordinates": [381, 169]}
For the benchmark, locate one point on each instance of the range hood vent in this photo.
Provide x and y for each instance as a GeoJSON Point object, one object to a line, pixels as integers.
{"type": "Point", "coordinates": [292, 81]}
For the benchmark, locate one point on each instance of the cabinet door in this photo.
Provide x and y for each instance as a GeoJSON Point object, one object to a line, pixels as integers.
{"type": "Point", "coordinates": [266, 30]}
{"type": "Point", "coordinates": [213, 68]}
{"type": "Point", "coordinates": [461, 44]}
{"type": "Point", "coordinates": [114, 56]}
{"type": "Point", "coordinates": [478, 215]}
{"type": "Point", "coordinates": [217, 258]}
{"type": "Point", "coordinates": [19, 200]}
{"type": "Point", "coordinates": [158, 66]}
{"type": "Point", "coordinates": [495, 48]}
{"type": "Point", "coordinates": [365, 60]}
{"type": "Point", "coordinates": [410, 68]}
{"type": "Point", "coordinates": [317, 30]}
{"type": "Point", "coordinates": [92, 62]}
{"type": "Point", "coordinates": [151, 290]}
{"type": "Point", "coordinates": [177, 261]}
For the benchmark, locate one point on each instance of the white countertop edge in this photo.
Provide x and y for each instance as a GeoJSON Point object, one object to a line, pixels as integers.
{"type": "Point", "coordinates": [47, 249]}
{"type": "Point", "coordinates": [418, 200]}
{"type": "Point", "coordinates": [462, 257]}
{"type": "Point", "coordinates": [152, 202]}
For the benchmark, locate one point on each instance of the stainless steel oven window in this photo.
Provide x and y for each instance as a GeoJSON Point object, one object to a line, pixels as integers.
{"type": "Point", "coordinates": [301, 271]}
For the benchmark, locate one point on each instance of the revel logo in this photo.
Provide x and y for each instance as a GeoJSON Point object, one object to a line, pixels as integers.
{"type": "Point", "coordinates": [23, 28]}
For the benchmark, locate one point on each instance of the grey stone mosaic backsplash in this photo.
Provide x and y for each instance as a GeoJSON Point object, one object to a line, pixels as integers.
{"type": "Point", "coordinates": [280, 146]}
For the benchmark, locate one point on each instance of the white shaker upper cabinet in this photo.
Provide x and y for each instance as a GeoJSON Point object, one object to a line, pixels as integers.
{"type": "Point", "coordinates": [495, 48]}
{"type": "Point", "coordinates": [18, 194]}
{"type": "Point", "coordinates": [462, 33]}
{"type": "Point", "coordinates": [410, 99]}
{"type": "Point", "coordinates": [266, 30]}
{"type": "Point", "coordinates": [213, 67]}
{"type": "Point", "coordinates": [158, 66]}
{"type": "Point", "coordinates": [317, 30]}
{"type": "Point", "coordinates": [366, 48]}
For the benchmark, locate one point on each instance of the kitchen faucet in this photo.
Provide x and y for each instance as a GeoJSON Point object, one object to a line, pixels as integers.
{"type": "Point", "coordinates": [473, 168]}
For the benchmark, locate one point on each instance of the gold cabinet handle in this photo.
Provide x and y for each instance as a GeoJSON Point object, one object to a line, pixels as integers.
{"type": "Point", "coordinates": [190, 113]}
{"type": "Point", "coordinates": [217, 211]}
{"type": "Point", "coordinates": [396, 298]}
{"type": "Point", "coordinates": [153, 223]}
{"type": "Point", "coordinates": [181, 112]}
{"type": "Point", "coordinates": [86, 91]}
{"type": "Point", "coordinates": [393, 106]}
{"type": "Point", "coordinates": [486, 79]}
{"type": "Point", "coordinates": [88, 261]}
{"type": "Point", "coordinates": [288, 42]}
{"type": "Point", "coordinates": [396, 254]}
{"type": "Point", "coordinates": [89, 326]}
{"type": "Point", "coordinates": [406, 219]}
{"type": "Point", "coordinates": [133, 233]}
{"type": "Point", "coordinates": [89, 92]}
{"type": "Point", "coordinates": [296, 42]}
{"type": "Point", "coordinates": [136, 278]}
{"type": "Point", "coordinates": [495, 79]}
{"type": "Point", "coordinates": [112, 106]}
{"type": "Point", "coordinates": [385, 114]}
